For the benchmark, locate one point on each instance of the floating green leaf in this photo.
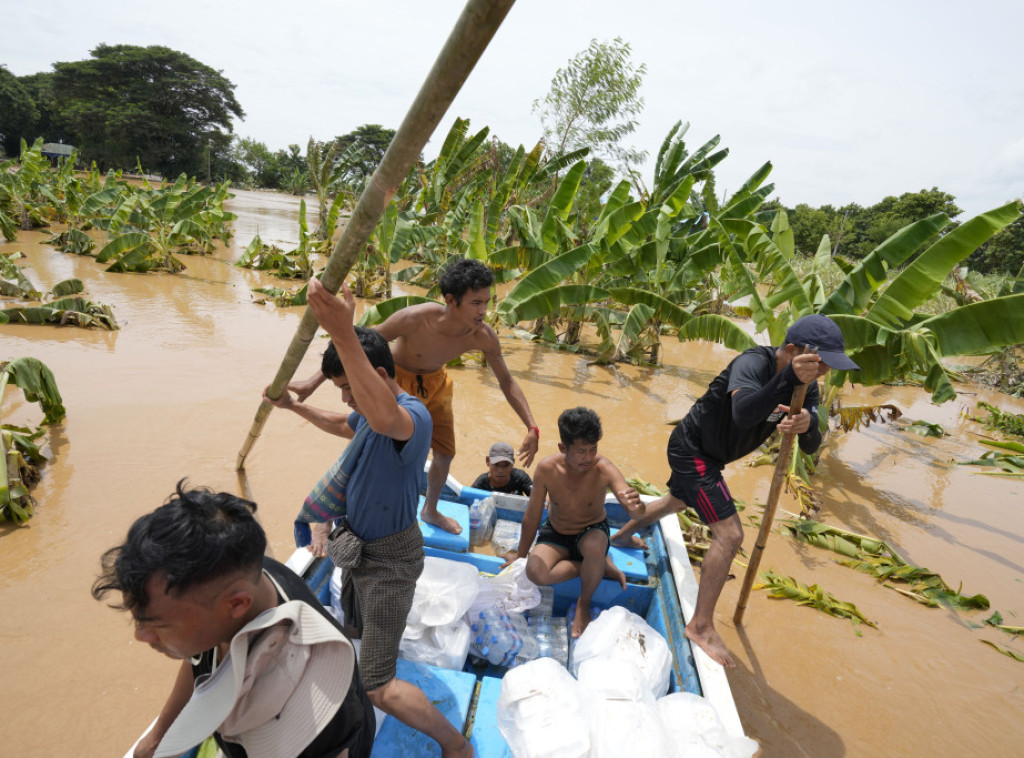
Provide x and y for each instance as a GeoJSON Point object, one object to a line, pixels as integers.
{"type": "Point", "coordinates": [788, 588]}
{"type": "Point", "coordinates": [1005, 651]}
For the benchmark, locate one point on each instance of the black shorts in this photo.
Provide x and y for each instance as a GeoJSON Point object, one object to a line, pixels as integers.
{"type": "Point", "coordinates": [698, 482]}
{"type": "Point", "coordinates": [548, 535]}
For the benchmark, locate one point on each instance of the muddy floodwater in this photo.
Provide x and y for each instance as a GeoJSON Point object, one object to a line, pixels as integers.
{"type": "Point", "coordinates": [173, 393]}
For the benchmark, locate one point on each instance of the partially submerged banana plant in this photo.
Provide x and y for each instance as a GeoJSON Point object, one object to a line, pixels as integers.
{"type": "Point", "coordinates": [781, 587]}
{"type": "Point", "coordinates": [68, 311]}
{"type": "Point", "coordinates": [20, 456]}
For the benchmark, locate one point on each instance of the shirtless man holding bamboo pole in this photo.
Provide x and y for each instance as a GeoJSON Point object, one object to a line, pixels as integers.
{"type": "Point", "coordinates": [427, 336]}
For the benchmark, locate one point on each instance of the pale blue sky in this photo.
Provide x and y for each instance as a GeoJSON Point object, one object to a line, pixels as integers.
{"type": "Point", "coordinates": [850, 102]}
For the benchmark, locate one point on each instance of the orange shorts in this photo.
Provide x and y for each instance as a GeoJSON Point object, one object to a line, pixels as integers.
{"type": "Point", "coordinates": [435, 390]}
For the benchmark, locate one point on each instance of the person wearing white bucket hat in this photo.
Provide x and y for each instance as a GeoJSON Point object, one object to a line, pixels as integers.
{"type": "Point", "coordinates": [265, 669]}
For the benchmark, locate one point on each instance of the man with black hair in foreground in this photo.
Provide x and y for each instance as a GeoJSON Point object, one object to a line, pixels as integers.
{"type": "Point", "coordinates": [265, 668]}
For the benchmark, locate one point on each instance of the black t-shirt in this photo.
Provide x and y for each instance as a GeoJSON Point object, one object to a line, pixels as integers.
{"type": "Point", "coordinates": [518, 484]}
{"type": "Point", "coordinates": [353, 726]}
{"type": "Point", "coordinates": [723, 427]}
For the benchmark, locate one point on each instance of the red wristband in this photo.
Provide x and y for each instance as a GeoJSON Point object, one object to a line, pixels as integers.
{"type": "Point", "coordinates": [535, 430]}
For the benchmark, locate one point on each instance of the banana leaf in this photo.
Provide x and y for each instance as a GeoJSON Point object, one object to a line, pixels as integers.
{"type": "Point", "coordinates": [855, 291]}
{"type": "Point", "coordinates": [67, 287]}
{"type": "Point", "coordinates": [380, 312]}
{"type": "Point", "coordinates": [549, 301]}
{"type": "Point", "coordinates": [13, 282]}
{"type": "Point", "coordinates": [661, 309]}
{"type": "Point", "coordinates": [560, 205]}
{"type": "Point", "coordinates": [631, 340]}
{"type": "Point", "coordinates": [123, 244]}
{"type": "Point", "coordinates": [1005, 651]}
{"type": "Point", "coordinates": [922, 278]}
{"type": "Point", "coordinates": [719, 329]}
{"type": "Point", "coordinates": [979, 327]}
{"type": "Point", "coordinates": [37, 383]}
{"type": "Point", "coordinates": [548, 275]}
{"type": "Point", "coordinates": [813, 596]}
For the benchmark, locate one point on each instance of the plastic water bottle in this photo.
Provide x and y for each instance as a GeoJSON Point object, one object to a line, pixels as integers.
{"type": "Point", "coordinates": [495, 638]}
{"type": "Point", "coordinates": [474, 517]}
{"type": "Point", "coordinates": [529, 646]}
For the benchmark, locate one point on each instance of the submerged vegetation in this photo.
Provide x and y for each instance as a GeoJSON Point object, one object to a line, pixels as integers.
{"type": "Point", "coordinates": [20, 456]}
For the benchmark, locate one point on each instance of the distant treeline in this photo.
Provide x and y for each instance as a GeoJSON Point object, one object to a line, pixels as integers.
{"type": "Point", "coordinates": [855, 230]}
{"type": "Point", "coordinates": [160, 110]}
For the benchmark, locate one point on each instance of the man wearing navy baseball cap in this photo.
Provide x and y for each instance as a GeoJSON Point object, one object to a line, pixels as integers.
{"type": "Point", "coordinates": [742, 407]}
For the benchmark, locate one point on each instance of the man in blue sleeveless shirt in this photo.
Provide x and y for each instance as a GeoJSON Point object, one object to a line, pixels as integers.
{"type": "Point", "coordinates": [379, 545]}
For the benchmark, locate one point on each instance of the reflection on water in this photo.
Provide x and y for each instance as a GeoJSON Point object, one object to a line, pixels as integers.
{"type": "Point", "coordinates": [173, 394]}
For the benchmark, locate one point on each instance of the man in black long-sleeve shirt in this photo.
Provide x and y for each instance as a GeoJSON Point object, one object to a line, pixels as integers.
{"type": "Point", "coordinates": [740, 410]}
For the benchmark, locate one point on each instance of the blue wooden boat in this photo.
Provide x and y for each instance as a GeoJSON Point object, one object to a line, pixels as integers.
{"type": "Point", "coordinates": [661, 588]}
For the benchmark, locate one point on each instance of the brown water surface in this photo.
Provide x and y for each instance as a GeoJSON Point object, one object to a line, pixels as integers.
{"type": "Point", "coordinates": [173, 394]}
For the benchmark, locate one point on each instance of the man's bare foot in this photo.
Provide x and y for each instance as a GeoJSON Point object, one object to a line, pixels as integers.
{"type": "Point", "coordinates": [611, 571]}
{"type": "Point", "coordinates": [581, 620]}
{"type": "Point", "coordinates": [463, 751]}
{"type": "Point", "coordinates": [711, 643]}
{"type": "Point", "coordinates": [438, 519]}
{"type": "Point", "coordinates": [628, 540]}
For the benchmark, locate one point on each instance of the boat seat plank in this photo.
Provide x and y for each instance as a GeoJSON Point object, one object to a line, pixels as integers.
{"type": "Point", "coordinates": [439, 538]}
{"type": "Point", "coordinates": [451, 692]}
{"type": "Point", "coordinates": [486, 738]}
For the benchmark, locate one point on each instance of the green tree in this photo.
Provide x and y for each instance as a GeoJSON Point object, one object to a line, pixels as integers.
{"type": "Point", "coordinates": [262, 166]}
{"type": "Point", "coordinates": [1003, 253]}
{"type": "Point", "coordinates": [50, 125]}
{"type": "Point", "coordinates": [153, 105]}
{"type": "Point", "coordinates": [18, 113]}
{"type": "Point", "coordinates": [373, 141]}
{"type": "Point", "coordinates": [593, 102]}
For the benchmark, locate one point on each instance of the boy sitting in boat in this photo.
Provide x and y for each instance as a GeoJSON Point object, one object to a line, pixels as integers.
{"type": "Point", "coordinates": [193, 576]}
{"type": "Point", "coordinates": [573, 540]}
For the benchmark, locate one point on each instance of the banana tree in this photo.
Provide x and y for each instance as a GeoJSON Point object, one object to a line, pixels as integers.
{"type": "Point", "coordinates": [20, 456]}
{"type": "Point", "coordinates": [67, 311]}
{"type": "Point", "coordinates": [149, 226]}
{"type": "Point", "coordinates": [327, 173]}
{"type": "Point", "coordinates": [25, 198]}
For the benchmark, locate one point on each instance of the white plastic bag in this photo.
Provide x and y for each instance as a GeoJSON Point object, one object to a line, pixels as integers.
{"type": "Point", "coordinates": [621, 635]}
{"type": "Point", "coordinates": [444, 592]}
{"type": "Point", "coordinates": [624, 718]}
{"type": "Point", "coordinates": [445, 646]}
{"type": "Point", "coordinates": [696, 731]}
{"type": "Point", "coordinates": [540, 712]}
{"type": "Point", "coordinates": [508, 591]}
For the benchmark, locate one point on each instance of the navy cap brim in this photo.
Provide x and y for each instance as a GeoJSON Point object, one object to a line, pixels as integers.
{"type": "Point", "coordinates": [837, 360]}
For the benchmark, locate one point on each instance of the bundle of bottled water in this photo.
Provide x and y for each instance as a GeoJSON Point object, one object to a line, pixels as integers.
{"type": "Point", "coordinates": [496, 638]}
{"type": "Point", "coordinates": [551, 636]}
{"type": "Point", "coordinates": [505, 536]}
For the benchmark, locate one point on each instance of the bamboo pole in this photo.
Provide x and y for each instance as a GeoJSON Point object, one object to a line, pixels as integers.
{"type": "Point", "coordinates": [469, 38]}
{"type": "Point", "coordinates": [796, 404]}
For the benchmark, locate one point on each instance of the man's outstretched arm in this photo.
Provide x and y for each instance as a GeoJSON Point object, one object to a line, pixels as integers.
{"type": "Point", "coordinates": [515, 397]}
